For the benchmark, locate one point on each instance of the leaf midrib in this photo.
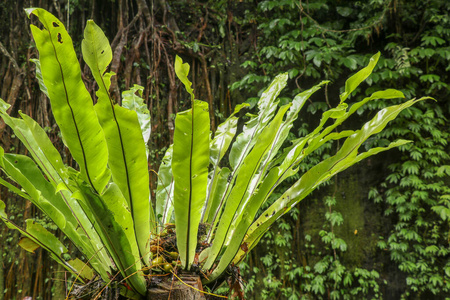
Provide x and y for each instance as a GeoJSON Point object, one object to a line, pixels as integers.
{"type": "Point", "coordinates": [118, 129]}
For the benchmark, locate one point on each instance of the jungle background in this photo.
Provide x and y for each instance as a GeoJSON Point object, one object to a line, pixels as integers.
{"type": "Point", "coordinates": [380, 230]}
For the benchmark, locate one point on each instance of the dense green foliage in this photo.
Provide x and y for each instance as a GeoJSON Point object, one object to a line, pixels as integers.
{"type": "Point", "coordinates": [329, 38]}
{"type": "Point", "coordinates": [415, 193]}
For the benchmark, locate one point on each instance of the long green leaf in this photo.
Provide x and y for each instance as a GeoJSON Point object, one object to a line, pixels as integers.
{"type": "Point", "coordinates": [353, 82]}
{"type": "Point", "coordinates": [39, 77]}
{"type": "Point", "coordinates": [223, 136]}
{"type": "Point", "coordinates": [190, 162]}
{"type": "Point", "coordinates": [127, 154]}
{"type": "Point", "coordinates": [240, 193]}
{"type": "Point", "coordinates": [297, 104]}
{"type": "Point", "coordinates": [47, 157]}
{"type": "Point", "coordinates": [182, 72]}
{"type": "Point", "coordinates": [164, 190]}
{"type": "Point", "coordinates": [13, 189]}
{"type": "Point", "coordinates": [217, 189]}
{"type": "Point", "coordinates": [218, 147]}
{"type": "Point", "coordinates": [255, 203]}
{"type": "Point", "coordinates": [245, 141]}
{"type": "Point", "coordinates": [128, 162]}
{"type": "Point", "coordinates": [50, 162]}
{"type": "Point", "coordinates": [320, 135]}
{"type": "Point", "coordinates": [346, 156]}
{"type": "Point", "coordinates": [386, 94]}
{"type": "Point", "coordinates": [38, 143]}
{"type": "Point", "coordinates": [23, 170]}
{"type": "Point", "coordinates": [71, 102]}
{"type": "Point", "coordinates": [114, 223]}
{"type": "Point", "coordinates": [190, 171]}
{"type": "Point", "coordinates": [290, 160]}
{"type": "Point", "coordinates": [253, 128]}
{"type": "Point", "coordinates": [132, 100]}
{"type": "Point", "coordinates": [280, 137]}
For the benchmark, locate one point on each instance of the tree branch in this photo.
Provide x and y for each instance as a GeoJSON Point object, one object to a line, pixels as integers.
{"type": "Point", "coordinates": [6, 53]}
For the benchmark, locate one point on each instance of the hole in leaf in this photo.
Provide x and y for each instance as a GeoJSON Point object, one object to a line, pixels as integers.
{"type": "Point", "coordinates": [60, 38]}
{"type": "Point", "coordinates": [55, 24]}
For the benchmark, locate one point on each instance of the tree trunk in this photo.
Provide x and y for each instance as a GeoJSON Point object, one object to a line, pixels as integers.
{"type": "Point", "coordinates": [177, 290]}
{"type": "Point", "coordinates": [161, 288]}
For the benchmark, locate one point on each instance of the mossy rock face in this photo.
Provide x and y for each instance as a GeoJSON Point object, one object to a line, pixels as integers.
{"type": "Point", "coordinates": [364, 220]}
{"type": "Point", "coordinates": [361, 222]}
